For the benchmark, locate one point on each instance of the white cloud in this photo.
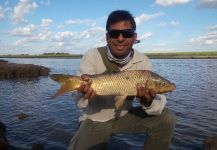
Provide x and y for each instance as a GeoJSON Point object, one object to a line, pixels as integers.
{"type": "Point", "coordinates": [45, 2]}
{"type": "Point", "coordinates": [80, 21]}
{"type": "Point", "coordinates": [65, 40]}
{"type": "Point", "coordinates": [68, 40]}
{"type": "Point", "coordinates": [46, 22]}
{"type": "Point", "coordinates": [174, 23]}
{"type": "Point", "coordinates": [24, 31]}
{"type": "Point", "coordinates": [208, 3]}
{"type": "Point", "coordinates": [171, 23]}
{"type": "Point", "coordinates": [210, 38]}
{"type": "Point", "coordinates": [23, 8]}
{"type": "Point", "coordinates": [70, 36]}
{"type": "Point", "coordinates": [145, 36]}
{"type": "Point", "coordinates": [213, 28]}
{"type": "Point", "coordinates": [92, 32]}
{"type": "Point", "coordinates": [64, 36]}
{"type": "Point", "coordinates": [170, 2]}
{"type": "Point", "coordinates": [20, 42]}
{"type": "Point", "coordinates": [162, 24]}
{"type": "Point", "coordinates": [39, 37]}
{"type": "Point", "coordinates": [34, 36]}
{"type": "Point", "coordinates": [145, 17]}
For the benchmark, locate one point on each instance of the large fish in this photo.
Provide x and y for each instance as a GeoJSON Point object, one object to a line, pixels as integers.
{"type": "Point", "coordinates": [120, 84]}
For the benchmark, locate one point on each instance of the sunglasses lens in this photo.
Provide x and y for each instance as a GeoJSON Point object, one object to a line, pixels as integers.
{"type": "Point", "coordinates": [114, 33]}
{"type": "Point", "coordinates": [128, 33]}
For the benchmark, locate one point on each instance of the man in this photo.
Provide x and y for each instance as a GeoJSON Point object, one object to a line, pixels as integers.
{"type": "Point", "coordinates": [100, 120]}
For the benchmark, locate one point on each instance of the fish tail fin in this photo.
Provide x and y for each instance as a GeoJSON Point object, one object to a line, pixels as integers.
{"type": "Point", "coordinates": [65, 88]}
{"type": "Point", "coordinates": [68, 82]}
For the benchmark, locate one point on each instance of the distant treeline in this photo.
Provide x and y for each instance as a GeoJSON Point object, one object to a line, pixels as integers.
{"type": "Point", "coordinates": [174, 55]}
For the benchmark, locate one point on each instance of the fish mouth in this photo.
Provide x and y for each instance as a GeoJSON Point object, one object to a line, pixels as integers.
{"type": "Point", "coordinates": [170, 89]}
{"type": "Point", "coordinates": [173, 86]}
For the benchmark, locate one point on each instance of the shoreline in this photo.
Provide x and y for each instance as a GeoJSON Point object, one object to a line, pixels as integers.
{"type": "Point", "coordinates": [149, 56]}
{"type": "Point", "coordinates": [175, 55]}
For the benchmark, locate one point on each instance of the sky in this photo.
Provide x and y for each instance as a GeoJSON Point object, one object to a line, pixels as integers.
{"type": "Point", "coordinates": [75, 26]}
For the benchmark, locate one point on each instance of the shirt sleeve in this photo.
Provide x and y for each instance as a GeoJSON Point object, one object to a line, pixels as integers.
{"type": "Point", "coordinates": [86, 67]}
{"type": "Point", "coordinates": [156, 106]}
{"type": "Point", "coordinates": [147, 64]}
{"type": "Point", "coordinates": [87, 64]}
{"type": "Point", "coordinates": [159, 101]}
{"type": "Point", "coordinates": [80, 101]}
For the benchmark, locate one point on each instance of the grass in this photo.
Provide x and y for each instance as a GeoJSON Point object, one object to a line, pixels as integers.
{"type": "Point", "coordinates": [175, 55]}
{"type": "Point", "coordinates": [184, 55]}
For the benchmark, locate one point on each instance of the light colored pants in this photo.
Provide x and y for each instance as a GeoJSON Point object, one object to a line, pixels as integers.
{"type": "Point", "coordinates": [94, 135]}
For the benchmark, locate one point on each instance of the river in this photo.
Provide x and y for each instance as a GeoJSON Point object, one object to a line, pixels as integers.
{"type": "Point", "coordinates": [53, 122]}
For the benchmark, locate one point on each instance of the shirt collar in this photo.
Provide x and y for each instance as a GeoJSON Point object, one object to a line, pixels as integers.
{"type": "Point", "coordinates": [136, 59]}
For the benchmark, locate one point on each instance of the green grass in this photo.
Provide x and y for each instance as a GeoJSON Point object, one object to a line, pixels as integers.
{"type": "Point", "coordinates": [175, 55]}
{"type": "Point", "coordinates": [184, 55]}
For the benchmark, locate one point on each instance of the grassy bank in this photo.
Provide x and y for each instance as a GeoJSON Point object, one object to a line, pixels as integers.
{"type": "Point", "coordinates": [176, 55]}
{"type": "Point", "coordinates": [183, 55]}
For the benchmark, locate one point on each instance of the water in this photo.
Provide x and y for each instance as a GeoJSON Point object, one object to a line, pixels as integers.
{"type": "Point", "coordinates": [53, 122]}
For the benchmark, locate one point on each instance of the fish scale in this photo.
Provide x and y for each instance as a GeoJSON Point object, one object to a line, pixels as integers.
{"type": "Point", "coordinates": [123, 83]}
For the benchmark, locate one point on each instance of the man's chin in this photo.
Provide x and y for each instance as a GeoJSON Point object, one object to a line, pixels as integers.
{"type": "Point", "coordinates": [120, 54]}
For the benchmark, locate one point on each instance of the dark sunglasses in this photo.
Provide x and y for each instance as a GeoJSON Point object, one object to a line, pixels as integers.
{"type": "Point", "coordinates": [127, 33]}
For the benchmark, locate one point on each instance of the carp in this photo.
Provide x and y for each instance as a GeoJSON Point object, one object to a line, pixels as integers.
{"type": "Point", "coordinates": [120, 84]}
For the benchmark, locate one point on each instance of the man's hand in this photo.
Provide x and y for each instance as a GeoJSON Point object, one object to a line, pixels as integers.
{"type": "Point", "coordinates": [86, 88]}
{"type": "Point", "coordinates": [146, 96]}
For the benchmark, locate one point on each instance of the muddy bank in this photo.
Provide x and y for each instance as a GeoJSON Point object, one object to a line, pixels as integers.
{"type": "Point", "coordinates": [15, 71]}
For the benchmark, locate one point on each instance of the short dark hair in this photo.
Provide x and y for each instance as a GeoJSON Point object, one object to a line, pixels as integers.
{"type": "Point", "coordinates": [120, 15]}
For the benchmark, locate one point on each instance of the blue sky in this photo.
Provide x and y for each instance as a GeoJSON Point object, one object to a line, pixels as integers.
{"type": "Point", "coordinates": [74, 26]}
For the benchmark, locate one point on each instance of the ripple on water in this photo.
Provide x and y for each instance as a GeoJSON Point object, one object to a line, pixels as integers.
{"type": "Point", "coordinates": [53, 122]}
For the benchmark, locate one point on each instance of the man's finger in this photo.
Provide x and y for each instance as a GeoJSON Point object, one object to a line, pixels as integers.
{"type": "Point", "coordinates": [147, 95]}
{"type": "Point", "coordinates": [85, 77]}
{"type": "Point", "coordinates": [87, 94]}
{"type": "Point", "coordinates": [152, 93]}
{"type": "Point", "coordinates": [140, 90]}
{"type": "Point", "coordinates": [87, 86]}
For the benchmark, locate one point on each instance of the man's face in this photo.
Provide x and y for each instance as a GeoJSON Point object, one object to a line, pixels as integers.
{"type": "Point", "coordinates": [120, 38]}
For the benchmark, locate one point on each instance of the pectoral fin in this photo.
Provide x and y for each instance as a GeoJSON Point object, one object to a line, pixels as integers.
{"type": "Point", "coordinates": [119, 101]}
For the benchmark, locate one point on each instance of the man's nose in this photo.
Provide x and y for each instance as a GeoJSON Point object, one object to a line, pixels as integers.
{"type": "Point", "coordinates": [120, 37]}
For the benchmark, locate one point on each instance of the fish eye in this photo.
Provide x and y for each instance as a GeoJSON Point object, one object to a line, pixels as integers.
{"type": "Point", "coordinates": [163, 83]}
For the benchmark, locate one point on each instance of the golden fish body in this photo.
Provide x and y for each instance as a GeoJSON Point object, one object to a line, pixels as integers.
{"type": "Point", "coordinates": [123, 83]}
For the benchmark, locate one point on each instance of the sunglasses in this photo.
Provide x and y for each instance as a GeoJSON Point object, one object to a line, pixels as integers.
{"type": "Point", "coordinates": [127, 33]}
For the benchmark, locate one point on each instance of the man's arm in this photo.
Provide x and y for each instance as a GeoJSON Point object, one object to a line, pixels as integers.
{"type": "Point", "coordinates": [151, 102]}
{"type": "Point", "coordinates": [85, 70]}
